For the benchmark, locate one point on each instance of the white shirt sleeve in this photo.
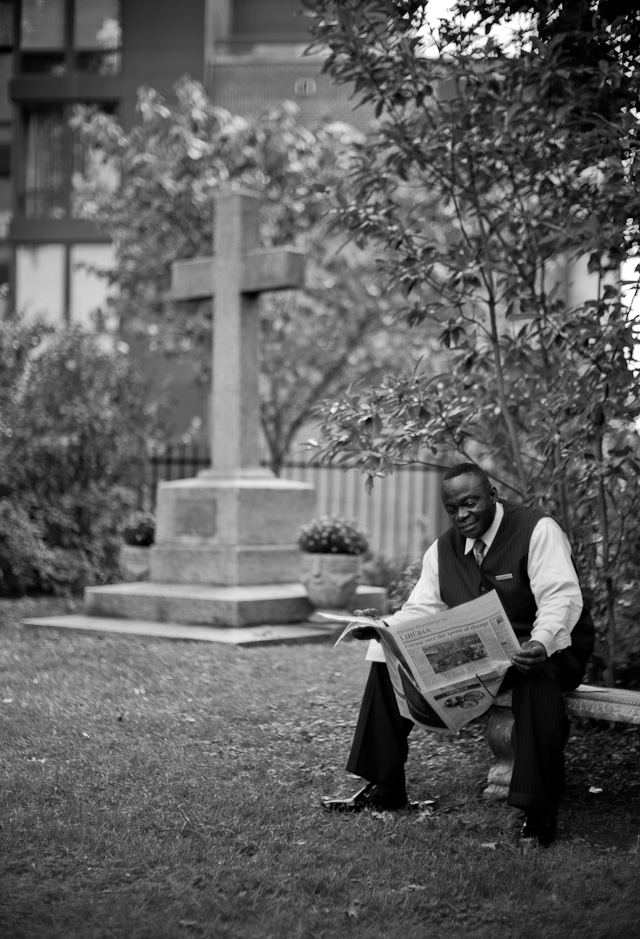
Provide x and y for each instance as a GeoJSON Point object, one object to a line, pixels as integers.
{"type": "Point", "coordinates": [424, 599]}
{"type": "Point", "coordinates": [555, 586]}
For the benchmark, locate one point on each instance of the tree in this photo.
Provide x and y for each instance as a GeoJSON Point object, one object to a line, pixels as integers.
{"type": "Point", "coordinates": [530, 151]}
{"type": "Point", "coordinates": [160, 208]}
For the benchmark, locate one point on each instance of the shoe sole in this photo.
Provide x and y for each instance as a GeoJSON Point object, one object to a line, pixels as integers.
{"type": "Point", "coordinates": [343, 809]}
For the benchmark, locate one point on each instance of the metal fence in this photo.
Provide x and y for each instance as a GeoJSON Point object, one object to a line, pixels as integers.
{"type": "Point", "coordinates": [401, 516]}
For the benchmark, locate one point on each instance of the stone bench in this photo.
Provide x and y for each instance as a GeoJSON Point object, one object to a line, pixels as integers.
{"type": "Point", "coordinates": [605, 704]}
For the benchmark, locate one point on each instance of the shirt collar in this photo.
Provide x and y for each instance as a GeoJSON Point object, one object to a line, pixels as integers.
{"type": "Point", "coordinates": [490, 533]}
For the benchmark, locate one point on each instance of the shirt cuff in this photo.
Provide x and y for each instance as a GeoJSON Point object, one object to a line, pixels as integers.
{"type": "Point", "coordinates": [552, 641]}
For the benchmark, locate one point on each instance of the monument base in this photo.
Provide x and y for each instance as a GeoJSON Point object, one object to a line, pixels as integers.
{"type": "Point", "coordinates": [225, 566]}
{"type": "Point", "coordinates": [314, 629]}
{"type": "Point", "coordinates": [205, 605]}
{"type": "Point", "coordinates": [229, 530]}
{"type": "Point", "coordinates": [200, 604]}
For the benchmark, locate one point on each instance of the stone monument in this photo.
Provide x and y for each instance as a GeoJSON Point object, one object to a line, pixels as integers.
{"type": "Point", "coordinates": [225, 551]}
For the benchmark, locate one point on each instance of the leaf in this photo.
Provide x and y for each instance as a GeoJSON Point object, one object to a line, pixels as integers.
{"type": "Point", "coordinates": [353, 910]}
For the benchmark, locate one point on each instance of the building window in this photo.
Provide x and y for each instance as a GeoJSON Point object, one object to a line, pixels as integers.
{"type": "Point", "coordinates": [63, 284]}
{"type": "Point", "coordinates": [97, 37]}
{"type": "Point", "coordinates": [59, 37]}
{"type": "Point", "coordinates": [6, 24]}
{"type": "Point", "coordinates": [90, 293]}
{"type": "Point", "coordinates": [40, 283]}
{"type": "Point", "coordinates": [55, 164]}
{"type": "Point", "coordinates": [45, 184]}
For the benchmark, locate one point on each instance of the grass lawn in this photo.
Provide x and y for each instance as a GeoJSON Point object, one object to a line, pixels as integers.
{"type": "Point", "coordinates": [154, 789]}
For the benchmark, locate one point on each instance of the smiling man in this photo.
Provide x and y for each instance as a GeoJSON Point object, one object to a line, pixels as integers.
{"type": "Point", "coordinates": [525, 556]}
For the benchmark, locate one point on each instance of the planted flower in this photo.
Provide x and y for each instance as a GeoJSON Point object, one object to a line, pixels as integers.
{"type": "Point", "coordinates": [331, 534]}
{"type": "Point", "coordinates": [139, 529]}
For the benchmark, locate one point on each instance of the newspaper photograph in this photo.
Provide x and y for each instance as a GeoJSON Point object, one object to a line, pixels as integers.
{"type": "Point", "coordinates": [445, 669]}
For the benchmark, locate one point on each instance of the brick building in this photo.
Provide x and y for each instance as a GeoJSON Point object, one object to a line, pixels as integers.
{"type": "Point", "coordinates": [55, 54]}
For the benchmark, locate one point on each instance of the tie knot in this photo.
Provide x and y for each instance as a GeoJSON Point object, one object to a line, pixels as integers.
{"type": "Point", "coordinates": [478, 550]}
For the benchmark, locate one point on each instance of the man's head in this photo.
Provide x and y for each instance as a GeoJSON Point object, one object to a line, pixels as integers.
{"type": "Point", "coordinates": [469, 499]}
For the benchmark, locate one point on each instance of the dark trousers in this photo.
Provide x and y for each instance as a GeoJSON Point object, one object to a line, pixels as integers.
{"type": "Point", "coordinates": [380, 745]}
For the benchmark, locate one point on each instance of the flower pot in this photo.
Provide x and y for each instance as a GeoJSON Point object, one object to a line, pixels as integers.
{"type": "Point", "coordinates": [331, 579]}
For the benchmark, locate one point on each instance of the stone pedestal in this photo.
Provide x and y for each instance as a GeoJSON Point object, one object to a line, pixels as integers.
{"type": "Point", "coordinates": [201, 604]}
{"type": "Point", "coordinates": [135, 563]}
{"type": "Point", "coordinates": [500, 737]}
{"type": "Point", "coordinates": [225, 554]}
{"type": "Point", "coordinates": [229, 531]}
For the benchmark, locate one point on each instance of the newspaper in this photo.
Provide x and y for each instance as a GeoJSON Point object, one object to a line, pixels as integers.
{"type": "Point", "coordinates": [446, 669]}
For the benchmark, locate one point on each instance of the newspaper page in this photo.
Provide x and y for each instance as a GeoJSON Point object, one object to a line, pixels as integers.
{"type": "Point", "coordinates": [446, 669]}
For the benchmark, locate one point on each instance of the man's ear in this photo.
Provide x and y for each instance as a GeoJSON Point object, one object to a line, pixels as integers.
{"type": "Point", "coordinates": [493, 494]}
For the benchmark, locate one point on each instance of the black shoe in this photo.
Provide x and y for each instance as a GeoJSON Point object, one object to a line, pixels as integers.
{"type": "Point", "coordinates": [539, 829]}
{"type": "Point", "coordinates": [371, 797]}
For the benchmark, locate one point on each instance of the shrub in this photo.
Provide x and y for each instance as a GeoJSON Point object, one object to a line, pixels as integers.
{"type": "Point", "coordinates": [400, 589]}
{"type": "Point", "coordinates": [24, 557]}
{"type": "Point", "coordinates": [380, 571]}
{"type": "Point", "coordinates": [76, 425]}
{"type": "Point", "coordinates": [139, 529]}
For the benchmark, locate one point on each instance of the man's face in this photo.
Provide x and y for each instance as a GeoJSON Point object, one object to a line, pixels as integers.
{"type": "Point", "coordinates": [470, 505]}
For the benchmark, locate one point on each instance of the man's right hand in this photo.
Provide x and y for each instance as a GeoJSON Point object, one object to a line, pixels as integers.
{"type": "Point", "coordinates": [366, 632]}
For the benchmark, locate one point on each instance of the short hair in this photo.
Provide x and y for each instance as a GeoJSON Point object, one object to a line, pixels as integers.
{"type": "Point", "coordinates": [467, 469]}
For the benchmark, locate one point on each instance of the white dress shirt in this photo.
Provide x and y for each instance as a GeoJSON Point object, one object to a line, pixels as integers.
{"type": "Point", "coordinates": [554, 584]}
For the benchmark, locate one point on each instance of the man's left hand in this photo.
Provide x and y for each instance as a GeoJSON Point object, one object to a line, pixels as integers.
{"type": "Point", "coordinates": [531, 657]}
{"type": "Point", "coordinates": [367, 632]}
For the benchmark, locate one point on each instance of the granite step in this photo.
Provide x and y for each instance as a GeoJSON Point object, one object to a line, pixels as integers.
{"type": "Point", "coordinates": [81, 624]}
{"type": "Point", "coordinates": [201, 604]}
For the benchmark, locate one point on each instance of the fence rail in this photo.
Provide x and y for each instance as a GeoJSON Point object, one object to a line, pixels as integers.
{"type": "Point", "coordinates": [401, 515]}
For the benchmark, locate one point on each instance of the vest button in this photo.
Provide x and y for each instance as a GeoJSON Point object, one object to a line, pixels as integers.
{"type": "Point", "coordinates": [482, 588]}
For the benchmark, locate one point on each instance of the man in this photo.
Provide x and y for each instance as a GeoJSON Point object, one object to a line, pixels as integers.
{"type": "Point", "coordinates": [525, 556]}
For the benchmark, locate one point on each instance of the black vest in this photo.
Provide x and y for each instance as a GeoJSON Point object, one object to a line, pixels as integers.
{"type": "Point", "coordinates": [461, 579]}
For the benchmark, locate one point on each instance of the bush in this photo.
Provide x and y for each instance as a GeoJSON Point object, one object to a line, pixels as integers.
{"type": "Point", "coordinates": [24, 557]}
{"type": "Point", "coordinates": [380, 571]}
{"type": "Point", "coordinates": [400, 589]}
{"type": "Point", "coordinates": [76, 425]}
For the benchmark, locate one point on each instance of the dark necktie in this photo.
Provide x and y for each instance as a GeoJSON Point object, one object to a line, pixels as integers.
{"type": "Point", "coordinates": [478, 550]}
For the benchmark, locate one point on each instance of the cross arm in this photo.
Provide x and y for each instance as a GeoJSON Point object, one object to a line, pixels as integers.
{"type": "Point", "coordinates": [272, 269]}
{"type": "Point", "coordinates": [261, 270]}
{"type": "Point", "coordinates": [191, 280]}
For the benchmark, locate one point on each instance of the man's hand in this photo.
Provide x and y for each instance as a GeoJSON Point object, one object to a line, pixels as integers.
{"type": "Point", "coordinates": [531, 657]}
{"type": "Point", "coordinates": [366, 632]}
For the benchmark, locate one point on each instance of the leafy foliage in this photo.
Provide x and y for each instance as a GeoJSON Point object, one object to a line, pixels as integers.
{"type": "Point", "coordinates": [76, 427]}
{"type": "Point", "coordinates": [504, 183]}
{"type": "Point", "coordinates": [24, 557]}
{"type": "Point", "coordinates": [139, 529]}
{"type": "Point", "coordinates": [400, 588]}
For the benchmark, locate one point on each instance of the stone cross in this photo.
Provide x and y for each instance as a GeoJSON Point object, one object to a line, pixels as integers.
{"type": "Point", "coordinates": [236, 275]}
